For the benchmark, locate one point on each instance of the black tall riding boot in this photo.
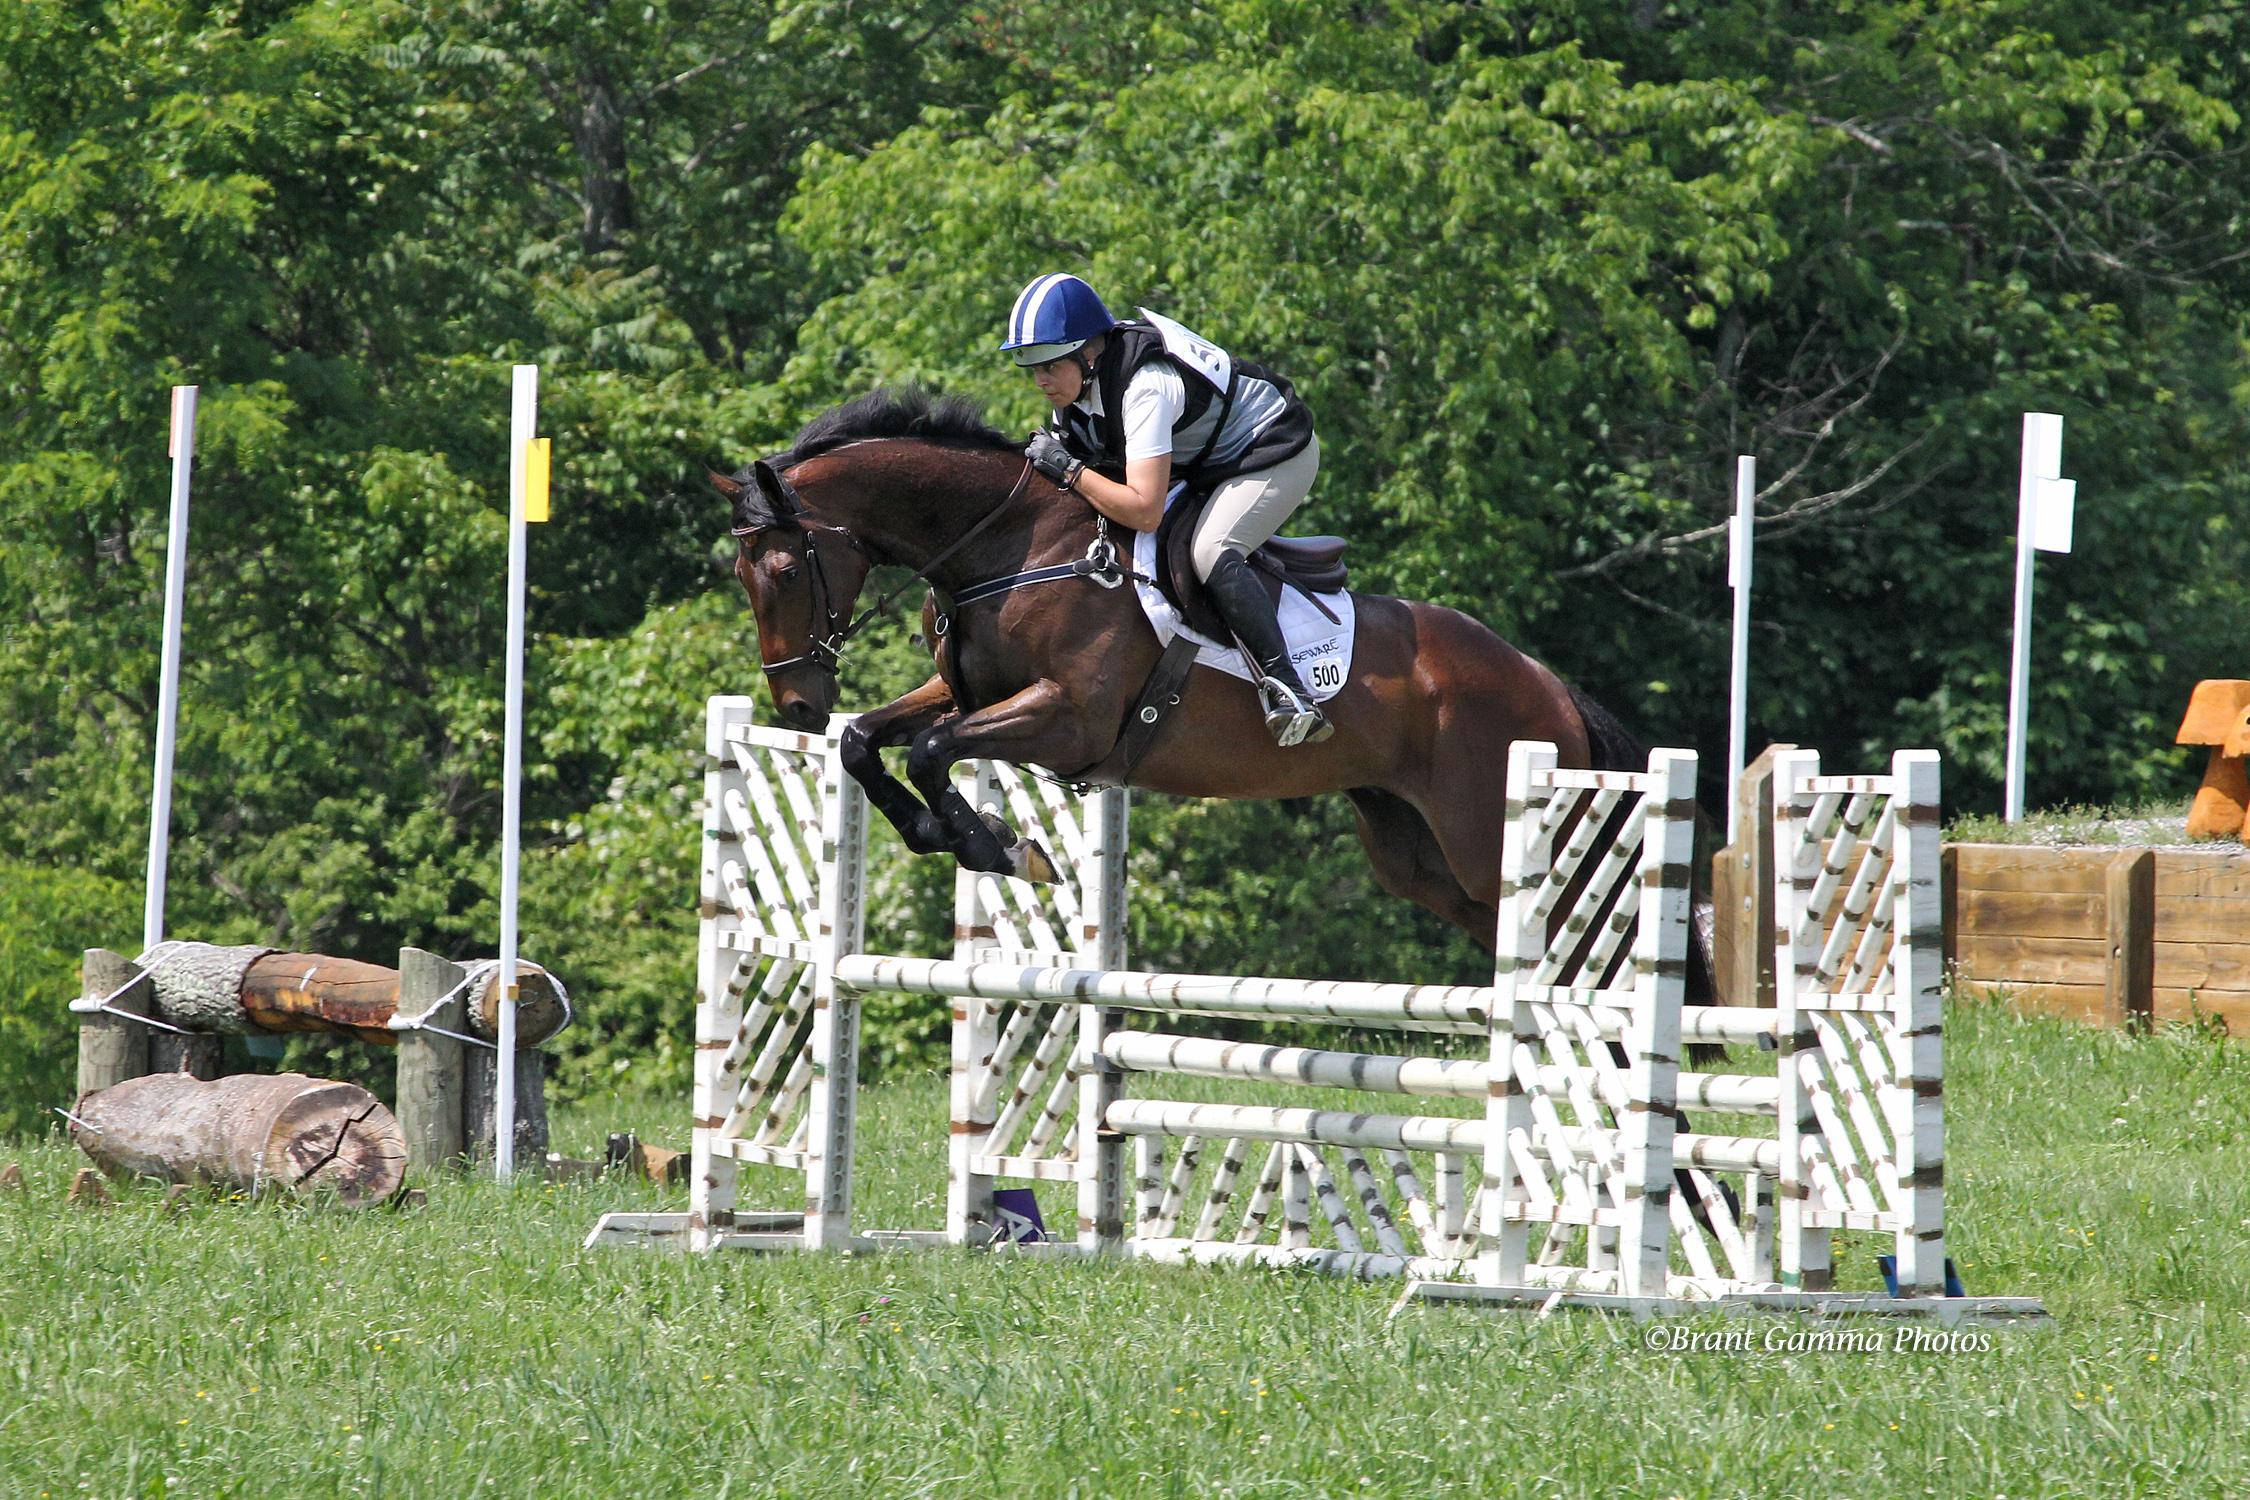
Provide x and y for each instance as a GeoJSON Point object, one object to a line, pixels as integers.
{"type": "Point", "coordinates": [1242, 598]}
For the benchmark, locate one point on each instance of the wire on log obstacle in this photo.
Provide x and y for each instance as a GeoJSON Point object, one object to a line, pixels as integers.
{"type": "Point", "coordinates": [1577, 1184]}
{"type": "Point", "coordinates": [168, 1011]}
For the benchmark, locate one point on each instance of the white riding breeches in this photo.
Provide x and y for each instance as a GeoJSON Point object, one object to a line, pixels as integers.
{"type": "Point", "coordinates": [1247, 509]}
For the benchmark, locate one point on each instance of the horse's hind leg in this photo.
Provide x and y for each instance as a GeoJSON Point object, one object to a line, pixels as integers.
{"type": "Point", "coordinates": [1410, 864]}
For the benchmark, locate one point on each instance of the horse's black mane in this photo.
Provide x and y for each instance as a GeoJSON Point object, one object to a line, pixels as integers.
{"type": "Point", "coordinates": [897, 412]}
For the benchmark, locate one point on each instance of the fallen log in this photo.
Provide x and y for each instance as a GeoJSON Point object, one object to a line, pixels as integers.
{"type": "Point", "coordinates": [249, 1132]}
{"type": "Point", "coordinates": [207, 988]}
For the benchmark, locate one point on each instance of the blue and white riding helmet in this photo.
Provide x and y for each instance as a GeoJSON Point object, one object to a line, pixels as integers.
{"type": "Point", "coordinates": [1052, 317]}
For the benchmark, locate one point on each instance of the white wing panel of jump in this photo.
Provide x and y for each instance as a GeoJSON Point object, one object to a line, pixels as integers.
{"type": "Point", "coordinates": [1020, 1089]}
{"type": "Point", "coordinates": [775, 1047]}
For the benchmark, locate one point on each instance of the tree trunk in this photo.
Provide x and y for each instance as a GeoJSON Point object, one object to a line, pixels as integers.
{"type": "Point", "coordinates": [248, 1132]}
{"type": "Point", "coordinates": [605, 182]}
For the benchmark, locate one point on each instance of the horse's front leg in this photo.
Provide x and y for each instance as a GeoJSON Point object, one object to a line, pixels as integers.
{"type": "Point", "coordinates": [1041, 724]}
{"type": "Point", "coordinates": [861, 749]}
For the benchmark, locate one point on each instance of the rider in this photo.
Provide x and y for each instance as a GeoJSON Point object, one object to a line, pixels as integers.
{"type": "Point", "coordinates": [1151, 400]}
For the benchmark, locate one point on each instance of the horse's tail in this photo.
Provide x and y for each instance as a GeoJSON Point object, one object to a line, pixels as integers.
{"type": "Point", "coordinates": [1611, 747]}
{"type": "Point", "coordinates": [1609, 744]}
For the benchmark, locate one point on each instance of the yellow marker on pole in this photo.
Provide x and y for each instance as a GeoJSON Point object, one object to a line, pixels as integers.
{"type": "Point", "coordinates": [538, 463]}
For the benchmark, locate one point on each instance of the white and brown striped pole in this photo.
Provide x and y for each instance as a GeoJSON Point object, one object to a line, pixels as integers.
{"type": "Point", "coordinates": [1504, 1237]}
{"type": "Point", "coordinates": [1915, 1091]}
{"type": "Point", "coordinates": [1803, 1249]}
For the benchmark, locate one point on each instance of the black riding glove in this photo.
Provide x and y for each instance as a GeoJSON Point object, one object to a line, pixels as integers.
{"type": "Point", "coordinates": [1052, 459]}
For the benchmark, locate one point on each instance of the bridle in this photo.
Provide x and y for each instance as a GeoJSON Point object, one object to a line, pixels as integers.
{"type": "Point", "coordinates": [828, 639]}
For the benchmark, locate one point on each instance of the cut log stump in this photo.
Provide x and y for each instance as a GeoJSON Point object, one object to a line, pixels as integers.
{"type": "Point", "coordinates": [251, 1132]}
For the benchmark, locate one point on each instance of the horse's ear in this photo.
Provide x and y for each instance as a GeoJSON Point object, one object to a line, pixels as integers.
{"type": "Point", "coordinates": [779, 495]}
{"type": "Point", "coordinates": [725, 484]}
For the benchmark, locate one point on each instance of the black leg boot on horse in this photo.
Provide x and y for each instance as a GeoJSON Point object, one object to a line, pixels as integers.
{"type": "Point", "coordinates": [1249, 610]}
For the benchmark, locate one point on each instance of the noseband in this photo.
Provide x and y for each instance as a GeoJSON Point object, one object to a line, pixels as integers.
{"type": "Point", "coordinates": [827, 650]}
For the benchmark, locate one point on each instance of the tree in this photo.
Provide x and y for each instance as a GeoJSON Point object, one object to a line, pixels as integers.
{"type": "Point", "coordinates": [1542, 274]}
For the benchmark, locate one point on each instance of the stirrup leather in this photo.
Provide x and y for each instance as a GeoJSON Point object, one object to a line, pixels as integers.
{"type": "Point", "coordinates": [1291, 718]}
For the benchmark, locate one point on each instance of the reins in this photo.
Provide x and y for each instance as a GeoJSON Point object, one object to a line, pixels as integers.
{"type": "Point", "coordinates": [1100, 564]}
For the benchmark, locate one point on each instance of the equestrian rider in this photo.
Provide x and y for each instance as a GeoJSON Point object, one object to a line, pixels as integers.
{"type": "Point", "coordinates": [1154, 402]}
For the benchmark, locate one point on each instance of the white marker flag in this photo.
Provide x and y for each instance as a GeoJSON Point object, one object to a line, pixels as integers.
{"type": "Point", "coordinates": [2045, 501]}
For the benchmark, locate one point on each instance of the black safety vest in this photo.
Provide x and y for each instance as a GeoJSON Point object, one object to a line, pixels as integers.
{"type": "Point", "coordinates": [1100, 441]}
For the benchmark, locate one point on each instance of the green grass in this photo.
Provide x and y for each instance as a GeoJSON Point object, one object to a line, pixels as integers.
{"type": "Point", "coordinates": [264, 1349]}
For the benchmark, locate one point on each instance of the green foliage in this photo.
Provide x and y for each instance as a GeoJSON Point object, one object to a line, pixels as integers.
{"type": "Point", "coordinates": [48, 918]}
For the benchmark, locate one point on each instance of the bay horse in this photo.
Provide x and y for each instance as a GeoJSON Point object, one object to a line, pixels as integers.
{"type": "Point", "coordinates": [1046, 675]}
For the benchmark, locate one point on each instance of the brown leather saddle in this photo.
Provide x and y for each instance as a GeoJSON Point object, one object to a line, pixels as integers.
{"type": "Point", "coordinates": [1313, 565]}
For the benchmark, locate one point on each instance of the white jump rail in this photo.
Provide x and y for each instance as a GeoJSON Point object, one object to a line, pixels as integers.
{"type": "Point", "coordinates": [1557, 1167]}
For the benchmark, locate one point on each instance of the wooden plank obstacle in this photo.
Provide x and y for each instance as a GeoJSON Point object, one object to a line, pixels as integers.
{"type": "Point", "coordinates": [2121, 937]}
{"type": "Point", "coordinates": [167, 1012]}
{"type": "Point", "coordinates": [1578, 1179]}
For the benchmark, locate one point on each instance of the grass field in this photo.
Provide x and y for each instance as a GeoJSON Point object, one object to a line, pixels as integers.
{"type": "Point", "coordinates": [471, 1347]}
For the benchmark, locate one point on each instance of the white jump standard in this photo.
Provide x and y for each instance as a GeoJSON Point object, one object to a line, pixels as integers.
{"type": "Point", "coordinates": [1576, 1180]}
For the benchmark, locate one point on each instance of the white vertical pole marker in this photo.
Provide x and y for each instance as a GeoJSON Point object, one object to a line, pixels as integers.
{"type": "Point", "coordinates": [1738, 579]}
{"type": "Point", "coordinates": [168, 696]}
{"type": "Point", "coordinates": [523, 423]}
{"type": "Point", "coordinates": [2043, 515]}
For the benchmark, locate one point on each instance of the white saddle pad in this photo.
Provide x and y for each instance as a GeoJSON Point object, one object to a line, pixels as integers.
{"type": "Point", "coordinates": [1321, 647]}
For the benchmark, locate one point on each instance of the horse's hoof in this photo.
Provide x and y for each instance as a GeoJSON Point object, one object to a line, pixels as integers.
{"type": "Point", "coordinates": [1032, 863]}
{"type": "Point", "coordinates": [1025, 860]}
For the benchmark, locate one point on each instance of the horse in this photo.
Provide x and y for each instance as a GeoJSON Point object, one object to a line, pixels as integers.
{"type": "Point", "coordinates": [1047, 674]}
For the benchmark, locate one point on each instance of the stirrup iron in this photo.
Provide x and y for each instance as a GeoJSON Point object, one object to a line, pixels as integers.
{"type": "Point", "coordinates": [1290, 718]}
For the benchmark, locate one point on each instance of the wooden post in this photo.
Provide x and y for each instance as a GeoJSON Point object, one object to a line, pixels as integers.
{"type": "Point", "coordinates": [431, 1070]}
{"type": "Point", "coordinates": [480, 1113]}
{"type": "Point", "coordinates": [1949, 910]}
{"type": "Point", "coordinates": [1742, 892]}
{"type": "Point", "coordinates": [111, 1048]}
{"type": "Point", "coordinates": [2129, 1000]}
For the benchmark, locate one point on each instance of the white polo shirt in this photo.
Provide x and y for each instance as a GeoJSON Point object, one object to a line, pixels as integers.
{"type": "Point", "coordinates": [1155, 398]}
